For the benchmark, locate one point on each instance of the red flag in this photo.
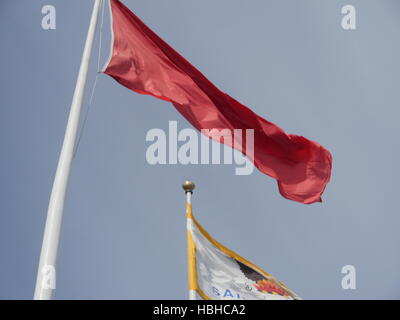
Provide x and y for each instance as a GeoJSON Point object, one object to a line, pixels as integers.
{"type": "Point", "coordinates": [143, 62]}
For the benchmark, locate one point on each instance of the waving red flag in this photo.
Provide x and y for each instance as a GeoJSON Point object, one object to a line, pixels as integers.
{"type": "Point", "coordinates": [143, 62]}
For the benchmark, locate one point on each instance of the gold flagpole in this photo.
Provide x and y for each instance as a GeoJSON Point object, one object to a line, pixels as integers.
{"type": "Point", "coordinates": [189, 186]}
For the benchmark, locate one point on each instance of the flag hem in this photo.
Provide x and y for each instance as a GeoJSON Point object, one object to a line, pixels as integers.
{"type": "Point", "coordinates": [112, 39]}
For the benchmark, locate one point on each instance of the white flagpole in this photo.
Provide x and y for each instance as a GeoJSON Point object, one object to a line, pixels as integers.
{"type": "Point", "coordinates": [45, 282]}
{"type": "Point", "coordinates": [189, 186]}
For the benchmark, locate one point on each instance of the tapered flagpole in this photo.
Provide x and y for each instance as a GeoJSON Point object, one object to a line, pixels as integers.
{"type": "Point", "coordinates": [45, 282]}
{"type": "Point", "coordinates": [189, 186]}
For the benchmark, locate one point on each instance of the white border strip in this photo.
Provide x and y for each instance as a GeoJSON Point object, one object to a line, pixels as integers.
{"type": "Point", "coordinates": [112, 39]}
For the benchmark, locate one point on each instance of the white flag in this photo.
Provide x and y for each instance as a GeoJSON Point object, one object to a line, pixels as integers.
{"type": "Point", "coordinates": [217, 273]}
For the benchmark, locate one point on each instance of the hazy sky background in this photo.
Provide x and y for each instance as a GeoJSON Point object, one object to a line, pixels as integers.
{"type": "Point", "coordinates": [124, 234]}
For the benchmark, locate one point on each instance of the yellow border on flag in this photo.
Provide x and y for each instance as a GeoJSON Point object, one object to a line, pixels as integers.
{"type": "Point", "coordinates": [193, 280]}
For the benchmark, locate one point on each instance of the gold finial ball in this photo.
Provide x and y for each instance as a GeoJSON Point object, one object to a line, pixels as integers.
{"type": "Point", "coordinates": [188, 186]}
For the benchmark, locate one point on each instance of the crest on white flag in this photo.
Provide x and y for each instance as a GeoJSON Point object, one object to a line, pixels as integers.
{"type": "Point", "coordinates": [217, 273]}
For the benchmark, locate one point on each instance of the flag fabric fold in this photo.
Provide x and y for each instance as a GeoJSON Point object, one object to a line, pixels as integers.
{"type": "Point", "coordinates": [217, 273]}
{"type": "Point", "coordinates": [141, 61]}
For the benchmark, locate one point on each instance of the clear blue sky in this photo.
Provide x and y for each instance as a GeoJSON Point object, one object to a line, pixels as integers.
{"type": "Point", "coordinates": [124, 225]}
